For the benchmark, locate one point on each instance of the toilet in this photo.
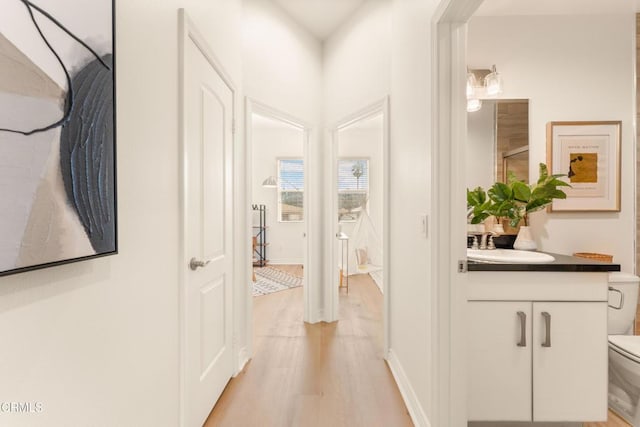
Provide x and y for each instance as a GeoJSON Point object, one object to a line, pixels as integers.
{"type": "Point", "coordinates": [624, 347]}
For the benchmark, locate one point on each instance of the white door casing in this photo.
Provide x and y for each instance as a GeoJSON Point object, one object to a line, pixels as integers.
{"type": "Point", "coordinates": [207, 115]}
{"type": "Point", "coordinates": [448, 366]}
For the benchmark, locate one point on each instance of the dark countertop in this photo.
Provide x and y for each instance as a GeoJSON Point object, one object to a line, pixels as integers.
{"type": "Point", "coordinates": [563, 263]}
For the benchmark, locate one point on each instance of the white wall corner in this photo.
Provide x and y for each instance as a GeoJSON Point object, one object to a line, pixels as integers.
{"type": "Point", "coordinates": [409, 396]}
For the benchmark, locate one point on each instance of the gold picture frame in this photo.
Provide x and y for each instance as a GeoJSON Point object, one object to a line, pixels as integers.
{"type": "Point", "coordinates": [588, 154]}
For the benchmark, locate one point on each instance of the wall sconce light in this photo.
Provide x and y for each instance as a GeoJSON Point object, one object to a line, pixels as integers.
{"type": "Point", "coordinates": [490, 87]}
{"type": "Point", "coordinates": [493, 82]}
{"type": "Point", "coordinates": [270, 182]}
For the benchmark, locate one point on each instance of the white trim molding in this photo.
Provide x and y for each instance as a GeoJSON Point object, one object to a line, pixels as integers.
{"type": "Point", "coordinates": [448, 370]}
{"type": "Point", "coordinates": [416, 412]}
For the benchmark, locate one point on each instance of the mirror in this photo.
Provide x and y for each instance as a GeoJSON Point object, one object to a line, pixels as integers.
{"type": "Point", "coordinates": [497, 142]}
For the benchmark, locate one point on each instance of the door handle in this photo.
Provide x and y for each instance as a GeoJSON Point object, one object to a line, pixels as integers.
{"type": "Point", "coordinates": [195, 263]}
{"type": "Point", "coordinates": [523, 329]}
{"type": "Point", "coordinates": [547, 328]}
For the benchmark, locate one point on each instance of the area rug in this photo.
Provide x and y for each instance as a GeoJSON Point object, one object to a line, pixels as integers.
{"type": "Point", "coordinates": [270, 280]}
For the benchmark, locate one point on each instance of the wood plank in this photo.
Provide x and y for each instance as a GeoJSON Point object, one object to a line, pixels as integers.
{"type": "Point", "coordinates": [325, 374]}
{"type": "Point", "coordinates": [613, 421]}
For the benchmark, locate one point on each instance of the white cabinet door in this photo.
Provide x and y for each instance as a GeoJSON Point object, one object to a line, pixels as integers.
{"type": "Point", "coordinates": [570, 370]}
{"type": "Point", "coordinates": [499, 386]}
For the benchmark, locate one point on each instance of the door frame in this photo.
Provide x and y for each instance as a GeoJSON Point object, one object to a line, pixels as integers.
{"type": "Point", "coordinates": [331, 290]}
{"type": "Point", "coordinates": [253, 106]}
{"type": "Point", "coordinates": [448, 109]}
{"type": "Point", "coordinates": [188, 31]}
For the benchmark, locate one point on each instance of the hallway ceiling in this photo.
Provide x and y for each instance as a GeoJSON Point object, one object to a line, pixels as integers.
{"type": "Point", "coordinates": [320, 17]}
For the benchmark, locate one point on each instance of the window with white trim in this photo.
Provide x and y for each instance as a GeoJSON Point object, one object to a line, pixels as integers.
{"type": "Point", "coordinates": [353, 188]}
{"type": "Point", "coordinates": [291, 190]}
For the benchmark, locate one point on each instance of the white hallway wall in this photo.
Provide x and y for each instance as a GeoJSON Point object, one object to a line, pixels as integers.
{"type": "Point", "coordinates": [357, 62]}
{"type": "Point", "coordinates": [97, 342]}
{"type": "Point", "coordinates": [283, 70]}
{"type": "Point", "coordinates": [269, 144]}
{"type": "Point", "coordinates": [412, 188]}
{"type": "Point", "coordinates": [569, 72]}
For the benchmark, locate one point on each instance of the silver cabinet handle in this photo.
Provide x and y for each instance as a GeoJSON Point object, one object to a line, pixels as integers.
{"type": "Point", "coordinates": [547, 328]}
{"type": "Point", "coordinates": [195, 263]}
{"type": "Point", "coordinates": [523, 329]}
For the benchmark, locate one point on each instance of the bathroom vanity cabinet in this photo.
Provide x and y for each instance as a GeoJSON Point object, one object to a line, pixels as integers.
{"type": "Point", "coordinates": [537, 344]}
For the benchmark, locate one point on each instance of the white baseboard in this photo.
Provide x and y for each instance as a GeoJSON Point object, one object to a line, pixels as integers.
{"type": "Point", "coordinates": [416, 412]}
{"type": "Point", "coordinates": [243, 358]}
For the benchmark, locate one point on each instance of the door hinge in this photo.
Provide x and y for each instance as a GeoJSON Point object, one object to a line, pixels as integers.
{"type": "Point", "coordinates": [462, 266]}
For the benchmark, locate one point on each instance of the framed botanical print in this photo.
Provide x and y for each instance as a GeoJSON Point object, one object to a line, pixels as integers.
{"type": "Point", "coordinates": [588, 154]}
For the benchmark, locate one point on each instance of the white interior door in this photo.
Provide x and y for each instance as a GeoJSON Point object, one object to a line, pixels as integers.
{"type": "Point", "coordinates": [208, 119]}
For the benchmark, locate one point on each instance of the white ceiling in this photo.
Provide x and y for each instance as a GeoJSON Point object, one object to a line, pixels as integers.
{"type": "Point", "coordinates": [323, 17]}
{"type": "Point", "coordinates": [555, 7]}
{"type": "Point", "coordinates": [320, 17]}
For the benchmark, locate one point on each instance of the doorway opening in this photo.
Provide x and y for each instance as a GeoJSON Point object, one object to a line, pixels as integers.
{"type": "Point", "coordinates": [359, 208]}
{"type": "Point", "coordinates": [278, 189]}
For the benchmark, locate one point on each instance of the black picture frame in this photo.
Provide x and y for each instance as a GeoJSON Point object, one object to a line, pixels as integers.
{"type": "Point", "coordinates": [71, 212]}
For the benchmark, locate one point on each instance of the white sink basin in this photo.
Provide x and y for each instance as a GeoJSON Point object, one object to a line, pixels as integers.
{"type": "Point", "coordinates": [509, 255]}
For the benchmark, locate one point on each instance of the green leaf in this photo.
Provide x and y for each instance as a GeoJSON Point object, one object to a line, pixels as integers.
{"type": "Point", "coordinates": [537, 204]}
{"type": "Point", "coordinates": [479, 218]}
{"type": "Point", "coordinates": [511, 178]}
{"type": "Point", "coordinates": [558, 194]}
{"type": "Point", "coordinates": [476, 197]}
{"type": "Point", "coordinates": [544, 173]}
{"type": "Point", "coordinates": [560, 183]}
{"type": "Point", "coordinates": [500, 192]}
{"type": "Point", "coordinates": [521, 191]}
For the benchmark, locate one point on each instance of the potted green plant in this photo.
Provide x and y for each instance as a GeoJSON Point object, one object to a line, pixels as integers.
{"type": "Point", "coordinates": [516, 200]}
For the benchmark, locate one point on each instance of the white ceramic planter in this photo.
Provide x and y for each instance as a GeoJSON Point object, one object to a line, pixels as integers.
{"type": "Point", "coordinates": [524, 241]}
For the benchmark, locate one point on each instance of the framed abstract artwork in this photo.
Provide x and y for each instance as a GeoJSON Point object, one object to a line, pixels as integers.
{"type": "Point", "coordinates": [588, 154]}
{"type": "Point", "coordinates": [57, 133]}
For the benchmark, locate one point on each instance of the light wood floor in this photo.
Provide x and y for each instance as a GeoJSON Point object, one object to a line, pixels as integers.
{"type": "Point", "coordinates": [293, 269]}
{"type": "Point", "coordinates": [326, 374]}
{"type": "Point", "coordinates": [319, 375]}
{"type": "Point", "coordinates": [613, 421]}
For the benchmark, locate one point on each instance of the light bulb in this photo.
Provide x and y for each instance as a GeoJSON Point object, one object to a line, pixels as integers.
{"type": "Point", "coordinates": [471, 84]}
{"type": "Point", "coordinates": [493, 83]}
{"type": "Point", "coordinates": [473, 104]}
